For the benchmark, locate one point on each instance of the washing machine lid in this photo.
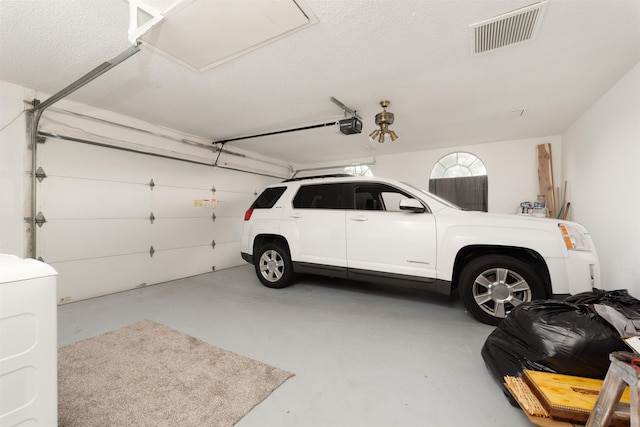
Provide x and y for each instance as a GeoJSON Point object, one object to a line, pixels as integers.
{"type": "Point", "coordinates": [13, 269]}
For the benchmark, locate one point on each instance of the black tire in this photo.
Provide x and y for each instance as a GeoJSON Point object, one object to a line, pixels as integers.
{"type": "Point", "coordinates": [492, 285]}
{"type": "Point", "coordinates": [273, 266]}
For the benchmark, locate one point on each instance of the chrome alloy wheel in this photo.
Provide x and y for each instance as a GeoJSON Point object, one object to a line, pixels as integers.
{"type": "Point", "coordinates": [272, 265]}
{"type": "Point", "coordinates": [498, 290]}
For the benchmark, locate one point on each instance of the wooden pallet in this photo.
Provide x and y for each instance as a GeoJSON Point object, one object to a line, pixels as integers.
{"type": "Point", "coordinates": [572, 398]}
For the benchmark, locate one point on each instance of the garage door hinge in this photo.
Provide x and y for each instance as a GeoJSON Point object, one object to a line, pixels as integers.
{"type": "Point", "coordinates": [39, 140]}
{"type": "Point", "coordinates": [151, 251]}
{"type": "Point", "coordinates": [152, 218]}
{"type": "Point", "coordinates": [213, 189]}
{"type": "Point", "coordinates": [213, 217]}
{"type": "Point", "coordinates": [213, 244]}
{"type": "Point", "coordinates": [40, 174]}
{"type": "Point", "coordinates": [152, 184]}
{"type": "Point", "coordinates": [40, 219]}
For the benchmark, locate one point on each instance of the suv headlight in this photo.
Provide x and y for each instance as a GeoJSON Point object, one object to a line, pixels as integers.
{"type": "Point", "coordinates": [574, 237]}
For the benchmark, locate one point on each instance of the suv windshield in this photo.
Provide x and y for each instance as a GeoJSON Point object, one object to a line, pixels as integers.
{"type": "Point", "coordinates": [433, 196]}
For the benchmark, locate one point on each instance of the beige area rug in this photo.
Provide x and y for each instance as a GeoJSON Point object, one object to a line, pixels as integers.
{"type": "Point", "coordinates": [147, 374]}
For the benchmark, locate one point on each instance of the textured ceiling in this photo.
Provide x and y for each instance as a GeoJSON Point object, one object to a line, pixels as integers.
{"type": "Point", "coordinates": [413, 52]}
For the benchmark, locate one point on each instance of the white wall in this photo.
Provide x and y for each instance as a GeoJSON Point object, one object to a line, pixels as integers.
{"type": "Point", "coordinates": [601, 162]}
{"type": "Point", "coordinates": [12, 178]}
{"type": "Point", "coordinates": [512, 168]}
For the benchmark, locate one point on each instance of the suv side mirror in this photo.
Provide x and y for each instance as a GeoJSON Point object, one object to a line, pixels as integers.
{"type": "Point", "coordinates": [411, 205]}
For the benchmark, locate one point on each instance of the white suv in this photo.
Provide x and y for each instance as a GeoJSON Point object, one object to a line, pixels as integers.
{"type": "Point", "coordinates": [381, 230]}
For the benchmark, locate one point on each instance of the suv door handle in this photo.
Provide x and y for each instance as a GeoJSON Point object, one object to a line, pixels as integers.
{"type": "Point", "coordinates": [359, 218]}
{"type": "Point", "coordinates": [295, 215]}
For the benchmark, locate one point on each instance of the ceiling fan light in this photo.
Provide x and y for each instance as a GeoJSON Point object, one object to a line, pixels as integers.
{"type": "Point", "coordinates": [383, 119]}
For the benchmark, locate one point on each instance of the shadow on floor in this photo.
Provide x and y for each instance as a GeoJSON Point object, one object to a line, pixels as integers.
{"type": "Point", "coordinates": [405, 292]}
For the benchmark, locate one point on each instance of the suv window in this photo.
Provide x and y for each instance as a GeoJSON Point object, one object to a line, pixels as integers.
{"type": "Point", "coordinates": [321, 196]}
{"type": "Point", "coordinates": [268, 198]}
{"type": "Point", "coordinates": [379, 197]}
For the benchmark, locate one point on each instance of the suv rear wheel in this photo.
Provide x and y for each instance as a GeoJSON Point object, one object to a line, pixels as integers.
{"type": "Point", "coordinates": [492, 285]}
{"type": "Point", "coordinates": [273, 266]}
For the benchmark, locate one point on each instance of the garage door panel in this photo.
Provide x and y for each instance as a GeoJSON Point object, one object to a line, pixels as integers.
{"type": "Point", "coordinates": [183, 262]}
{"type": "Point", "coordinates": [228, 255]}
{"type": "Point", "coordinates": [67, 240]}
{"type": "Point", "coordinates": [84, 279]}
{"type": "Point", "coordinates": [62, 197]}
{"type": "Point", "coordinates": [59, 157]}
{"type": "Point", "coordinates": [226, 180]}
{"type": "Point", "coordinates": [186, 175]}
{"type": "Point", "coordinates": [228, 229]}
{"type": "Point", "coordinates": [233, 204]}
{"type": "Point", "coordinates": [173, 233]}
{"type": "Point", "coordinates": [97, 202]}
{"type": "Point", "coordinates": [180, 202]}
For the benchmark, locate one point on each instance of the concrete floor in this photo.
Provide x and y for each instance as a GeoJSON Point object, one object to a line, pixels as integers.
{"type": "Point", "coordinates": [362, 355]}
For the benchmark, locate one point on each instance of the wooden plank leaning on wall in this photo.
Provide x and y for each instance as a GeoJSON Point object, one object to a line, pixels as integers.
{"type": "Point", "coordinates": [545, 178]}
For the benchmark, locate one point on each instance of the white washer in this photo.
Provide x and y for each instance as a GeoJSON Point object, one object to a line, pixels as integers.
{"type": "Point", "coordinates": [28, 343]}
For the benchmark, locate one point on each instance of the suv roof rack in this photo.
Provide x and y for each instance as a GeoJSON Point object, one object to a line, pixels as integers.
{"type": "Point", "coordinates": [334, 175]}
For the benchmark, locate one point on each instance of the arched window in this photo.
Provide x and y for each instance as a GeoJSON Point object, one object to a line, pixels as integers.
{"type": "Point", "coordinates": [461, 178]}
{"type": "Point", "coordinates": [358, 170]}
{"type": "Point", "coordinates": [459, 164]}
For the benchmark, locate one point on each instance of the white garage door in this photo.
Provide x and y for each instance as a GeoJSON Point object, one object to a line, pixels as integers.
{"type": "Point", "coordinates": [117, 220]}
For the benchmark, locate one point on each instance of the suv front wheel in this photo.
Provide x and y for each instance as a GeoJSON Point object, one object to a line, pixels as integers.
{"type": "Point", "coordinates": [493, 285]}
{"type": "Point", "coordinates": [273, 266]}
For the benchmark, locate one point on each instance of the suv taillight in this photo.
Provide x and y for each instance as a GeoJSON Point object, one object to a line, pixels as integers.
{"type": "Point", "coordinates": [247, 214]}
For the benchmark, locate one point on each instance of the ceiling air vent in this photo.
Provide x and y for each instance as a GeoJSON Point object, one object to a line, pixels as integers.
{"type": "Point", "coordinates": [508, 29]}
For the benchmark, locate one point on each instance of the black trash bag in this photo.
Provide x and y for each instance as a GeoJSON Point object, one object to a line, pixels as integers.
{"type": "Point", "coordinates": [551, 336]}
{"type": "Point", "coordinates": [618, 299]}
{"type": "Point", "coordinates": [600, 296]}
